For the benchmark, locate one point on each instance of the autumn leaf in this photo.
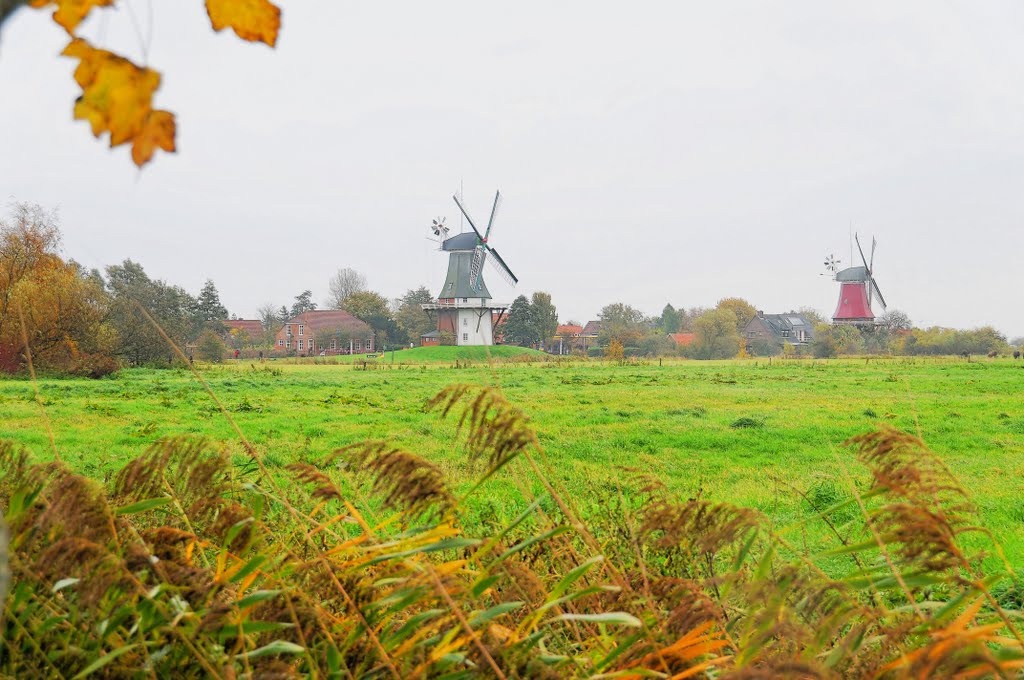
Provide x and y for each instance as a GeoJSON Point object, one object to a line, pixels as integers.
{"type": "Point", "coordinates": [69, 13]}
{"type": "Point", "coordinates": [117, 97]}
{"type": "Point", "coordinates": [157, 131]}
{"type": "Point", "coordinates": [251, 19]}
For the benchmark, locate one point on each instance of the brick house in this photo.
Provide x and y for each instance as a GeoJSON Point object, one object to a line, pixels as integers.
{"type": "Point", "coordinates": [777, 330]}
{"type": "Point", "coordinates": [327, 331]}
{"type": "Point", "coordinates": [239, 333]}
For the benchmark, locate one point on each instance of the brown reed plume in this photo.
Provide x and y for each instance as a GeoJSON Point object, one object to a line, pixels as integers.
{"type": "Point", "coordinates": [926, 509]}
{"type": "Point", "coordinates": [404, 481]}
{"type": "Point", "coordinates": [495, 430]}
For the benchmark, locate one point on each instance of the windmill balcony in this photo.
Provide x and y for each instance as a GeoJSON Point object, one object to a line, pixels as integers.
{"type": "Point", "coordinates": [471, 303]}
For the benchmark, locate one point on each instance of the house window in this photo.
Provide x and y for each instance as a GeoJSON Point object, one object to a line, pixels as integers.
{"type": "Point", "coordinates": [465, 299]}
{"type": "Point", "coordinates": [300, 345]}
{"type": "Point", "coordinates": [801, 335]}
{"type": "Point", "coordinates": [280, 343]}
{"type": "Point", "coordinates": [465, 321]}
{"type": "Point", "coordinates": [785, 334]}
{"type": "Point", "coordinates": [359, 345]}
{"type": "Point", "coordinates": [334, 344]}
{"type": "Point", "coordinates": [288, 343]}
{"type": "Point", "coordinates": [300, 328]}
{"type": "Point", "coordinates": [751, 334]}
{"type": "Point", "coordinates": [289, 330]}
{"type": "Point", "coordinates": [465, 337]}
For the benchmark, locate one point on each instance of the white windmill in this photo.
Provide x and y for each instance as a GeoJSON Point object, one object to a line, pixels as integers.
{"type": "Point", "coordinates": [464, 306]}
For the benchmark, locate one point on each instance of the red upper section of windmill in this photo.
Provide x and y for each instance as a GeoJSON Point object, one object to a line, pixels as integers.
{"type": "Point", "coordinates": [853, 303]}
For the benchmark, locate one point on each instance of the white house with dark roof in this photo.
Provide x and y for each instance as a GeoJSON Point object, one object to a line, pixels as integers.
{"type": "Point", "coordinates": [778, 329]}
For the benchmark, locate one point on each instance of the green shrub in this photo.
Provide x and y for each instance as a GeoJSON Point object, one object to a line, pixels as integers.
{"type": "Point", "coordinates": [211, 347]}
{"type": "Point", "coordinates": [92, 366]}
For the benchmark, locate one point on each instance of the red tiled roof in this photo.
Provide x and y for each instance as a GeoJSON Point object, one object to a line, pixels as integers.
{"type": "Point", "coordinates": [569, 329]}
{"type": "Point", "coordinates": [330, 319]}
{"type": "Point", "coordinates": [254, 327]}
{"type": "Point", "coordinates": [683, 339]}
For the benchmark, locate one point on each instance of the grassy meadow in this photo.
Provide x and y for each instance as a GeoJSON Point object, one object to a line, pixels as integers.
{"type": "Point", "coordinates": [760, 434]}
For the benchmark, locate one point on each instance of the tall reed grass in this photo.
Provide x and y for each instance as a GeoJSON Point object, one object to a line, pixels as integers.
{"type": "Point", "coordinates": [357, 565]}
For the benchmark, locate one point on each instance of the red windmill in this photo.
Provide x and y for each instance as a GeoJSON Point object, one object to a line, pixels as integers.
{"type": "Point", "coordinates": [857, 290]}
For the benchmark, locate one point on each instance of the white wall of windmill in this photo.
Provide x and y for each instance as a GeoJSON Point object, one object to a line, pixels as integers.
{"type": "Point", "coordinates": [474, 327]}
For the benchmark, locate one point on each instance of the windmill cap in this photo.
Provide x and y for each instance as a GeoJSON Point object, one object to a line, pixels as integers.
{"type": "Point", "coordinates": [852, 274]}
{"type": "Point", "coordinates": [464, 241]}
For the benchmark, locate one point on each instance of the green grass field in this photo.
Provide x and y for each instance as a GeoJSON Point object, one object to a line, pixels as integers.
{"type": "Point", "coordinates": [747, 432]}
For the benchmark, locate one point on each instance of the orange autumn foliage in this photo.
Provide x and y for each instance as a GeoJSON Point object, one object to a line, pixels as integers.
{"type": "Point", "coordinates": [117, 97]}
{"type": "Point", "coordinates": [250, 19]}
{"type": "Point", "coordinates": [69, 13]}
{"type": "Point", "coordinates": [117, 94]}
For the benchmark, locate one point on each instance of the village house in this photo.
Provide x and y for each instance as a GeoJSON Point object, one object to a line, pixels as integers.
{"type": "Point", "coordinates": [568, 337]}
{"type": "Point", "coordinates": [683, 339]}
{"type": "Point", "coordinates": [241, 333]}
{"type": "Point", "coordinates": [327, 331]}
{"type": "Point", "coordinates": [773, 331]}
{"type": "Point", "coordinates": [590, 333]}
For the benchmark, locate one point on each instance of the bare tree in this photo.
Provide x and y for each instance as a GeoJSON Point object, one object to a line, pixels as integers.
{"type": "Point", "coordinates": [342, 285]}
{"type": "Point", "coordinates": [271, 323]}
{"type": "Point", "coordinates": [895, 320]}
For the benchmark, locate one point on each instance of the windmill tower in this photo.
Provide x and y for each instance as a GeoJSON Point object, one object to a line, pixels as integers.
{"type": "Point", "coordinates": [857, 289]}
{"type": "Point", "coordinates": [464, 305]}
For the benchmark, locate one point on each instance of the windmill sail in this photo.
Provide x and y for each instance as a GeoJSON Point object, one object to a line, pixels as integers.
{"type": "Point", "coordinates": [476, 265]}
{"type": "Point", "coordinates": [468, 218]}
{"type": "Point", "coordinates": [874, 286]}
{"type": "Point", "coordinates": [494, 210]}
{"type": "Point", "coordinates": [499, 266]}
{"type": "Point", "coordinates": [867, 268]}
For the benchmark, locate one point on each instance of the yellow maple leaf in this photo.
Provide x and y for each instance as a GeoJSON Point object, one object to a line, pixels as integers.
{"type": "Point", "coordinates": [251, 19]}
{"type": "Point", "coordinates": [69, 13]}
{"type": "Point", "coordinates": [157, 131]}
{"type": "Point", "coordinates": [117, 97]}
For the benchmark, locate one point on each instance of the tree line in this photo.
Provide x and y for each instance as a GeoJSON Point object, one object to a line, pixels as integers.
{"type": "Point", "coordinates": [719, 333]}
{"type": "Point", "coordinates": [88, 322]}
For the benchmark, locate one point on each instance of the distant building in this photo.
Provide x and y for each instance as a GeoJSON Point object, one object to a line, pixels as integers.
{"type": "Point", "coordinates": [775, 330]}
{"type": "Point", "coordinates": [239, 333]}
{"type": "Point", "coordinates": [430, 339]}
{"type": "Point", "coordinates": [568, 337]}
{"type": "Point", "coordinates": [327, 331]}
{"type": "Point", "coordinates": [593, 329]}
{"type": "Point", "coordinates": [683, 339]}
{"type": "Point", "coordinates": [591, 332]}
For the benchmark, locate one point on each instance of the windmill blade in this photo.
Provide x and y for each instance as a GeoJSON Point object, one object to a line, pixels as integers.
{"type": "Point", "coordinates": [494, 209]}
{"type": "Point", "coordinates": [873, 244]}
{"type": "Point", "coordinates": [863, 259]}
{"type": "Point", "coordinates": [468, 218]}
{"type": "Point", "coordinates": [499, 266]}
{"type": "Point", "coordinates": [476, 265]}
{"type": "Point", "coordinates": [873, 285]}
